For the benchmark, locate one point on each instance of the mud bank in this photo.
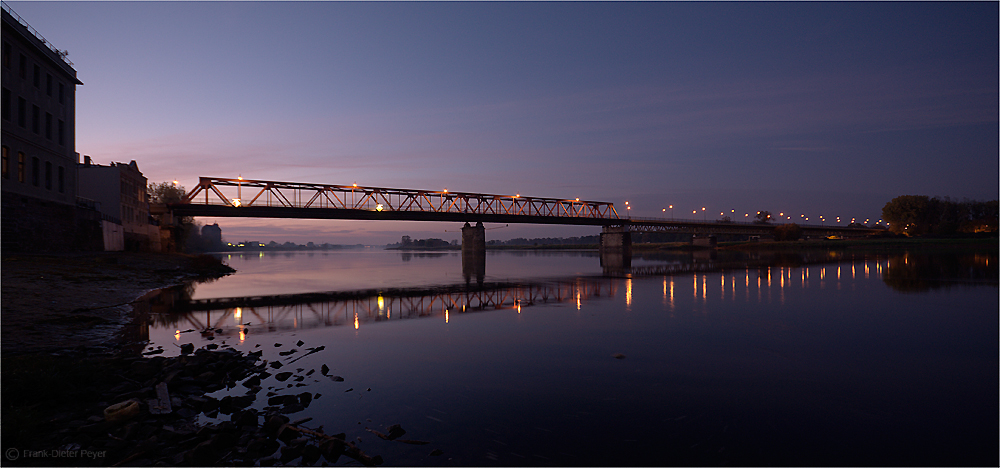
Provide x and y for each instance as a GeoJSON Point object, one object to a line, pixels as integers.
{"type": "Point", "coordinates": [82, 300]}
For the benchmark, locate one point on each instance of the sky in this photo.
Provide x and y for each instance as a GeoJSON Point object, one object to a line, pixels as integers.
{"type": "Point", "coordinates": [807, 108]}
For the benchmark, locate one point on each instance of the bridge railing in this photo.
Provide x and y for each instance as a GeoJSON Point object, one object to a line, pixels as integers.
{"type": "Point", "coordinates": [241, 192]}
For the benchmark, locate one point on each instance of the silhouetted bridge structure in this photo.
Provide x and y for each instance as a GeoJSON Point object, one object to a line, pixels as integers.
{"type": "Point", "coordinates": [219, 197]}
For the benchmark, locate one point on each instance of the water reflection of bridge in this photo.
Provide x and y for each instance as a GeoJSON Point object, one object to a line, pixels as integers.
{"type": "Point", "coordinates": [313, 310]}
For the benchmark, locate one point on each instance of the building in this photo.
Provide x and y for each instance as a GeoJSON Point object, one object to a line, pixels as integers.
{"type": "Point", "coordinates": [118, 191]}
{"type": "Point", "coordinates": [39, 180]}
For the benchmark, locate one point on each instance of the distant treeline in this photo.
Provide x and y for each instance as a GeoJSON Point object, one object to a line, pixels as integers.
{"type": "Point", "coordinates": [920, 214]}
{"type": "Point", "coordinates": [548, 241]}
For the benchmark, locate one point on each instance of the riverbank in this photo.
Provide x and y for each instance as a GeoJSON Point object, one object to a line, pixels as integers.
{"type": "Point", "coordinates": [55, 302]}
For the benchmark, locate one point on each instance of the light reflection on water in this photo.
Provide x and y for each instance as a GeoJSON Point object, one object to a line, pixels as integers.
{"type": "Point", "coordinates": [872, 359]}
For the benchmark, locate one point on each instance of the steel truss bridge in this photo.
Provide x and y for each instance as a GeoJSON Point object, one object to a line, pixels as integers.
{"type": "Point", "coordinates": [272, 199]}
{"type": "Point", "coordinates": [220, 197]}
{"type": "Point", "coordinates": [314, 310]}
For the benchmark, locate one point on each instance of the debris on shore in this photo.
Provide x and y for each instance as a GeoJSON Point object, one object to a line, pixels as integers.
{"type": "Point", "coordinates": [147, 414]}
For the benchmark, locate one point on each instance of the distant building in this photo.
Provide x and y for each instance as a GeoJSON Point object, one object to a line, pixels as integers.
{"type": "Point", "coordinates": [119, 191]}
{"type": "Point", "coordinates": [211, 236]}
{"type": "Point", "coordinates": [39, 180]}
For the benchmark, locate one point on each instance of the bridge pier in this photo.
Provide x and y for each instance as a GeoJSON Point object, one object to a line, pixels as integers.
{"type": "Point", "coordinates": [474, 252]}
{"type": "Point", "coordinates": [616, 247]}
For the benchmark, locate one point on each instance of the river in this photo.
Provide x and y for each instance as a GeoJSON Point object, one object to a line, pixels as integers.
{"type": "Point", "coordinates": [546, 358]}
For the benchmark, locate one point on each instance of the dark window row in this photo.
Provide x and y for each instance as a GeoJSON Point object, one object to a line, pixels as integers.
{"type": "Point", "coordinates": [36, 125]}
{"type": "Point", "coordinates": [60, 174]}
{"type": "Point", "coordinates": [36, 77]}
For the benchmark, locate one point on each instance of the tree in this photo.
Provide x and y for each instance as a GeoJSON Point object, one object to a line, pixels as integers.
{"type": "Point", "coordinates": [763, 217]}
{"type": "Point", "coordinates": [907, 214]}
{"type": "Point", "coordinates": [787, 232]}
{"type": "Point", "coordinates": [165, 192]}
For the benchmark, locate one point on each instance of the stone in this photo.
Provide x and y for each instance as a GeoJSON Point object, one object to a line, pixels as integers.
{"type": "Point", "coordinates": [283, 376]}
{"type": "Point", "coordinates": [310, 454]}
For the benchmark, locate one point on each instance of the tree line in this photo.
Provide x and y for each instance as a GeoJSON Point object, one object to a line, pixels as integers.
{"type": "Point", "coordinates": [916, 215]}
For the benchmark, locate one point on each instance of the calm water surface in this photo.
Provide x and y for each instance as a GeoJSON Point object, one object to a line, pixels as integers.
{"type": "Point", "coordinates": [828, 359]}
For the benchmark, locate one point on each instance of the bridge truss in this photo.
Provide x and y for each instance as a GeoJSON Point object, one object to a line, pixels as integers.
{"type": "Point", "coordinates": [248, 195]}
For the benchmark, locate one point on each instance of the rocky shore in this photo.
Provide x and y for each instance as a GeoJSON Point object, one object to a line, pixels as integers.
{"type": "Point", "coordinates": [144, 411]}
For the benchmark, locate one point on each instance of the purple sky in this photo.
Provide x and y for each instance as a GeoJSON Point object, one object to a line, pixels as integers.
{"type": "Point", "coordinates": [818, 108]}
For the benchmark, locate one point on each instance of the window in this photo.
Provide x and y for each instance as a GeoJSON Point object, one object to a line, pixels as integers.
{"type": "Point", "coordinates": [6, 162]}
{"type": "Point", "coordinates": [34, 171]}
{"type": "Point", "coordinates": [22, 111]}
{"type": "Point", "coordinates": [60, 93]}
{"type": "Point", "coordinates": [62, 179]}
{"type": "Point", "coordinates": [62, 139]}
{"type": "Point", "coordinates": [6, 55]}
{"type": "Point", "coordinates": [20, 167]}
{"type": "Point", "coordinates": [6, 104]}
{"type": "Point", "coordinates": [48, 175]}
{"type": "Point", "coordinates": [48, 85]}
{"type": "Point", "coordinates": [22, 67]}
{"type": "Point", "coordinates": [34, 119]}
{"type": "Point", "coordinates": [48, 125]}
{"type": "Point", "coordinates": [36, 79]}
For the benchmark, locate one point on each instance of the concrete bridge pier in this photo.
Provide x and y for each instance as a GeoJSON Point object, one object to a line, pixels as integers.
{"type": "Point", "coordinates": [474, 252]}
{"type": "Point", "coordinates": [616, 247]}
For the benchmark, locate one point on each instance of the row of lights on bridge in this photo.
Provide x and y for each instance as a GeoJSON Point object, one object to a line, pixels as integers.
{"type": "Point", "coordinates": [822, 218]}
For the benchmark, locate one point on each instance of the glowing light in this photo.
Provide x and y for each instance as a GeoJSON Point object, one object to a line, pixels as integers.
{"type": "Point", "coordinates": [238, 315]}
{"type": "Point", "coordinates": [356, 323]}
{"type": "Point", "coordinates": [177, 335]}
{"type": "Point", "coordinates": [578, 300]}
{"type": "Point", "coordinates": [237, 202]}
{"type": "Point", "coordinates": [175, 182]}
{"type": "Point", "coordinates": [628, 294]}
{"type": "Point", "coordinates": [381, 302]}
{"type": "Point", "coordinates": [243, 335]}
{"type": "Point", "coordinates": [445, 315]}
{"type": "Point", "coordinates": [378, 207]}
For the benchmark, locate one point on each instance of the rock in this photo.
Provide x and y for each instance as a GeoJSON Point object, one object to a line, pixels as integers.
{"type": "Point", "coordinates": [300, 343]}
{"type": "Point", "coordinates": [291, 408]}
{"type": "Point", "coordinates": [436, 452]}
{"type": "Point", "coordinates": [332, 449]}
{"type": "Point", "coordinates": [324, 369]}
{"type": "Point", "coordinates": [251, 382]}
{"type": "Point", "coordinates": [310, 454]}
{"type": "Point", "coordinates": [618, 356]}
{"type": "Point", "coordinates": [262, 447]}
{"type": "Point", "coordinates": [211, 346]}
{"type": "Point", "coordinates": [337, 378]}
{"type": "Point", "coordinates": [274, 424]}
{"type": "Point", "coordinates": [276, 365]}
{"type": "Point", "coordinates": [283, 376]}
{"type": "Point", "coordinates": [289, 453]}
{"type": "Point", "coordinates": [394, 431]}
{"type": "Point", "coordinates": [305, 398]}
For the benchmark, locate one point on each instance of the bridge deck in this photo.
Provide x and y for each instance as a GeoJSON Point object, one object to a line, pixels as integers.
{"type": "Point", "coordinates": [218, 197]}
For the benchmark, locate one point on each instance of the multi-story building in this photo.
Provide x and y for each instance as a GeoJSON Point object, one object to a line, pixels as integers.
{"type": "Point", "coordinates": [119, 191]}
{"type": "Point", "coordinates": [39, 179]}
